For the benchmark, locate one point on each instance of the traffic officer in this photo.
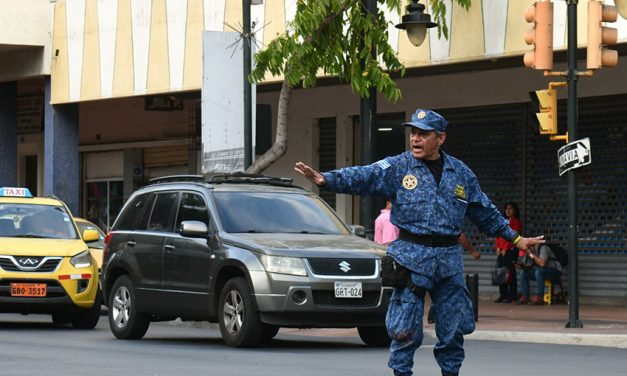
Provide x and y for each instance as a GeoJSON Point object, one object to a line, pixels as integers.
{"type": "Point", "coordinates": [431, 193]}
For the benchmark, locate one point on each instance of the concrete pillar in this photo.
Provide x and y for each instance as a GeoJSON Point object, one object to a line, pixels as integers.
{"type": "Point", "coordinates": [61, 157]}
{"type": "Point", "coordinates": [8, 134]}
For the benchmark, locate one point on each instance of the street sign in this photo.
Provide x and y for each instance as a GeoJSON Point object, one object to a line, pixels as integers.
{"type": "Point", "coordinates": [574, 155]}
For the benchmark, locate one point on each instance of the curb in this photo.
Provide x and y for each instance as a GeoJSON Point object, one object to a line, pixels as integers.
{"type": "Point", "coordinates": [600, 340]}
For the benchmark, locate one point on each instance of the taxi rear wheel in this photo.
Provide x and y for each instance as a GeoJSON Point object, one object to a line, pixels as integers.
{"type": "Point", "coordinates": [87, 319]}
{"type": "Point", "coordinates": [374, 336]}
{"type": "Point", "coordinates": [124, 320]}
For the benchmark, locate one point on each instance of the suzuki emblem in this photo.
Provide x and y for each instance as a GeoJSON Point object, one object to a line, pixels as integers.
{"type": "Point", "coordinates": [345, 267]}
{"type": "Point", "coordinates": [28, 261]}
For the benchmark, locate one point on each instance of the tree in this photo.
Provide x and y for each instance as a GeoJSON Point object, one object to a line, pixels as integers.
{"type": "Point", "coordinates": [336, 37]}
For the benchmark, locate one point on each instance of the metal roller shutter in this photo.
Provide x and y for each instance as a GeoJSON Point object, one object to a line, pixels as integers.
{"type": "Point", "coordinates": [490, 141]}
{"type": "Point", "coordinates": [164, 156]}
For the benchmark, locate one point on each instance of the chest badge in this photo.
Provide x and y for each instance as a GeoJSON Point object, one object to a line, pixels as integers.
{"type": "Point", "coordinates": [460, 193]}
{"type": "Point", "coordinates": [410, 182]}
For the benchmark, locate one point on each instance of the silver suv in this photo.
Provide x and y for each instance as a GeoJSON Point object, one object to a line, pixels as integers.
{"type": "Point", "coordinates": [251, 253]}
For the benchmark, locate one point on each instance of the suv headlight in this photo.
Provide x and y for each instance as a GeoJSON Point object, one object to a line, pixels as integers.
{"type": "Point", "coordinates": [82, 260]}
{"type": "Point", "coordinates": [284, 265]}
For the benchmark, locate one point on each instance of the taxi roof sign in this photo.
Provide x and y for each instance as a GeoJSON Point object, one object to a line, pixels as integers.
{"type": "Point", "coordinates": [14, 192]}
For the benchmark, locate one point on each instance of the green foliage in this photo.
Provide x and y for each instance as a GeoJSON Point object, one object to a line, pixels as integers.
{"type": "Point", "coordinates": [338, 37]}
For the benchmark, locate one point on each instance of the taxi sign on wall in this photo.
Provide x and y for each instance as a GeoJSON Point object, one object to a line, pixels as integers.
{"type": "Point", "coordinates": [15, 192]}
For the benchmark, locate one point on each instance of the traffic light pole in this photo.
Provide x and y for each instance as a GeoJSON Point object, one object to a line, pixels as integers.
{"type": "Point", "coordinates": [573, 120]}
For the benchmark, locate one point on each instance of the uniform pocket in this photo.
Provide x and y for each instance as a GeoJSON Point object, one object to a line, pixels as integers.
{"type": "Point", "coordinates": [411, 207]}
{"type": "Point", "coordinates": [404, 316]}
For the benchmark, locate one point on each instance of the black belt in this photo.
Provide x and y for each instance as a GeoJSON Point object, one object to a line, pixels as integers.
{"type": "Point", "coordinates": [429, 240]}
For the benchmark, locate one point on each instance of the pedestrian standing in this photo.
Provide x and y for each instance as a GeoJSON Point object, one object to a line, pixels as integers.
{"type": "Point", "coordinates": [384, 231]}
{"type": "Point", "coordinates": [431, 193]}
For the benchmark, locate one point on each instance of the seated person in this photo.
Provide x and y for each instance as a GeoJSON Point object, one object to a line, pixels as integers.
{"type": "Point", "coordinates": [545, 266]}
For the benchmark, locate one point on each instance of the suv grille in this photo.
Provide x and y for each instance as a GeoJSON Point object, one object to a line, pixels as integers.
{"type": "Point", "coordinates": [38, 264]}
{"type": "Point", "coordinates": [328, 299]}
{"type": "Point", "coordinates": [343, 267]}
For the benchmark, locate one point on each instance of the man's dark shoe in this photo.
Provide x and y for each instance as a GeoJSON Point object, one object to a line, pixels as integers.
{"type": "Point", "coordinates": [506, 301]}
{"type": "Point", "coordinates": [522, 300]}
{"type": "Point", "coordinates": [499, 300]}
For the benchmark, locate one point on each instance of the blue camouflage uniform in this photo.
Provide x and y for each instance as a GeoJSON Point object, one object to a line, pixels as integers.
{"type": "Point", "coordinates": [421, 207]}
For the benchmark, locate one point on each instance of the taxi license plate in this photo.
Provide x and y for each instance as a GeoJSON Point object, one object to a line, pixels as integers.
{"type": "Point", "coordinates": [348, 290]}
{"type": "Point", "coordinates": [28, 289]}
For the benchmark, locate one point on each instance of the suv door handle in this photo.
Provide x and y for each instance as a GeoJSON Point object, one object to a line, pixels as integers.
{"type": "Point", "coordinates": [169, 247]}
{"type": "Point", "coordinates": [131, 243]}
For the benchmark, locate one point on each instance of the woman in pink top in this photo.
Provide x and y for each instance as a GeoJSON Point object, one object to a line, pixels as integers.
{"type": "Point", "coordinates": [384, 231]}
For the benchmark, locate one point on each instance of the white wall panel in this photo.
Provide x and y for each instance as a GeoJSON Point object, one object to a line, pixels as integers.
{"type": "Point", "coordinates": [559, 24]}
{"type": "Point", "coordinates": [177, 24]}
{"type": "Point", "coordinates": [258, 17]}
{"type": "Point", "coordinates": [141, 15]}
{"type": "Point", "coordinates": [214, 15]}
{"type": "Point", "coordinates": [440, 47]}
{"type": "Point", "coordinates": [107, 23]}
{"type": "Point", "coordinates": [75, 36]}
{"type": "Point", "coordinates": [494, 21]}
{"type": "Point", "coordinates": [393, 18]}
{"type": "Point", "coordinates": [290, 10]}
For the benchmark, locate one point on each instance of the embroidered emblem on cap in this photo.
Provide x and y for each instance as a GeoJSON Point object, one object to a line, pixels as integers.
{"type": "Point", "coordinates": [410, 182]}
{"type": "Point", "coordinates": [459, 192]}
{"type": "Point", "coordinates": [421, 115]}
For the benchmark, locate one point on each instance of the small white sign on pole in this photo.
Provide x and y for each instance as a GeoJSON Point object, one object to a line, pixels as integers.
{"type": "Point", "coordinates": [223, 103]}
{"type": "Point", "coordinates": [574, 155]}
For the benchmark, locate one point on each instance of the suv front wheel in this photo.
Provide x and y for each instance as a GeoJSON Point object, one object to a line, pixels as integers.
{"type": "Point", "coordinates": [124, 320]}
{"type": "Point", "coordinates": [239, 320]}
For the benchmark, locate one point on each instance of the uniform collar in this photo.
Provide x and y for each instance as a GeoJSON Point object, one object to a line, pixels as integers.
{"type": "Point", "coordinates": [418, 163]}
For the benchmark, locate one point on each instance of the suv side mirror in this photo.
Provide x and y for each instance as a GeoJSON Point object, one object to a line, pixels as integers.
{"type": "Point", "coordinates": [194, 229]}
{"type": "Point", "coordinates": [358, 230]}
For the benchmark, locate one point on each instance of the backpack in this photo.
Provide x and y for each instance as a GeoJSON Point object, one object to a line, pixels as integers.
{"type": "Point", "coordinates": [560, 252]}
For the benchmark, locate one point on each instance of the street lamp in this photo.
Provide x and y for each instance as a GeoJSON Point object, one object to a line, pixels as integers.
{"type": "Point", "coordinates": [416, 22]}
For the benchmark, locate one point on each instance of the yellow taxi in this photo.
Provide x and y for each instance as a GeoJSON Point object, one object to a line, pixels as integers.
{"type": "Point", "coordinates": [96, 247]}
{"type": "Point", "coordinates": [45, 264]}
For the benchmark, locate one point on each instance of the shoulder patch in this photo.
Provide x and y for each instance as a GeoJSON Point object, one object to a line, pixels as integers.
{"type": "Point", "coordinates": [384, 164]}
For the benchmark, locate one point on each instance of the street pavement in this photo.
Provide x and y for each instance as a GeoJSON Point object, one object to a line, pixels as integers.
{"type": "Point", "coordinates": [604, 326]}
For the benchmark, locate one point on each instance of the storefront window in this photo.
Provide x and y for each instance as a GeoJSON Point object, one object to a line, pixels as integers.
{"type": "Point", "coordinates": [104, 202]}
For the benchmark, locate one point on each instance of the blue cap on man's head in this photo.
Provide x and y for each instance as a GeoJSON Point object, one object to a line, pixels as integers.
{"type": "Point", "coordinates": [427, 120]}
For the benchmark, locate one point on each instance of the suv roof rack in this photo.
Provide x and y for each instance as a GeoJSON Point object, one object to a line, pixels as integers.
{"type": "Point", "coordinates": [175, 178]}
{"type": "Point", "coordinates": [240, 177]}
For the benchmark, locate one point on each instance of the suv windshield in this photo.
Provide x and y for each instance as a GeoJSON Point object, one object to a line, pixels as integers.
{"type": "Point", "coordinates": [35, 221]}
{"type": "Point", "coordinates": [274, 212]}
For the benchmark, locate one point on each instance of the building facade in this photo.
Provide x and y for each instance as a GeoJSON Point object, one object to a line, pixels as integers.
{"type": "Point", "coordinates": [98, 96]}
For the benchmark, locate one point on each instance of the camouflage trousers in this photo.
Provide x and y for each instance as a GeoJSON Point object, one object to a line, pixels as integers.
{"type": "Point", "coordinates": [453, 314]}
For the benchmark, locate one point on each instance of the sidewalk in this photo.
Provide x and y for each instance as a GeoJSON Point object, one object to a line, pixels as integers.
{"type": "Point", "coordinates": [604, 326]}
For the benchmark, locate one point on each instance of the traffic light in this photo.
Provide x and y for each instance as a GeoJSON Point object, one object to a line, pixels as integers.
{"type": "Point", "coordinates": [540, 35]}
{"type": "Point", "coordinates": [544, 103]}
{"type": "Point", "coordinates": [599, 36]}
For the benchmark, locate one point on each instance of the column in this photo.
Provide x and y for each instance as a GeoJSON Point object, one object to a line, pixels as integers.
{"type": "Point", "coordinates": [8, 134]}
{"type": "Point", "coordinates": [61, 157]}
